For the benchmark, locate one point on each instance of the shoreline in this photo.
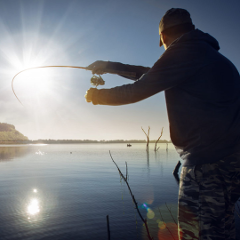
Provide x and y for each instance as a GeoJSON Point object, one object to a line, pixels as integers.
{"type": "Point", "coordinates": [50, 141]}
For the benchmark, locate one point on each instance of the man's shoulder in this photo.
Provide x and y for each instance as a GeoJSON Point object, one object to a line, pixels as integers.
{"type": "Point", "coordinates": [195, 38]}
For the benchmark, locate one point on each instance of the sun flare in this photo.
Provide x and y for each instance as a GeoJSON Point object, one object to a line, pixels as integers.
{"type": "Point", "coordinates": [34, 82]}
{"type": "Point", "coordinates": [36, 50]}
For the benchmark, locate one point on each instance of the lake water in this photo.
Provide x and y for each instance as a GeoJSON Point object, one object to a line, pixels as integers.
{"type": "Point", "coordinates": [66, 191]}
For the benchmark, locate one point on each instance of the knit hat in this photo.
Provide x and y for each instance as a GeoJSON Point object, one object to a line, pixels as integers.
{"type": "Point", "coordinates": [174, 17]}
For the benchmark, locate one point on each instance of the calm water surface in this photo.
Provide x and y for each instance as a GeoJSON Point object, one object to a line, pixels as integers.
{"type": "Point", "coordinates": [66, 191]}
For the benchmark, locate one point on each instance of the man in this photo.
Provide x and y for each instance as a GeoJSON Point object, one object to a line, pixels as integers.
{"type": "Point", "coordinates": [202, 90]}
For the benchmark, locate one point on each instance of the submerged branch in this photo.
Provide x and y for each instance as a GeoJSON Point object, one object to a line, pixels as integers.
{"type": "Point", "coordinates": [166, 224]}
{"type": "Point", "coordinates": [133, 198]}
{"type": "Point", "coordinates": [155, 148]}
{"type": "Point", "coordinates": [170, 213]}
{"type": "Point", "coordinates": [147, 135]}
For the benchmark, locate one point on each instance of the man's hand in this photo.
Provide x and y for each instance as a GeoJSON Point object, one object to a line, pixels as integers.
{"type": "Point", "coordinates": [89, 94]}
{"type": "Point", "coordinates": [98, 67]}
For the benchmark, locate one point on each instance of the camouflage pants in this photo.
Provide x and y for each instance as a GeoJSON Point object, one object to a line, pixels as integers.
{"type": "Point", "coordinates": [207, 195]}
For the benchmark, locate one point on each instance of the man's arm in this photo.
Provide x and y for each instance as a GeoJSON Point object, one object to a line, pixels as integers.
{"type": "Point", "coordinates": [101, 67]}
{"type": "Point", "coordinates": [174, 67]}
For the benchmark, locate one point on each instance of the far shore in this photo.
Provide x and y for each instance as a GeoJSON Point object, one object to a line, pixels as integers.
{"type": "Point", "coordinates": [71, 141]}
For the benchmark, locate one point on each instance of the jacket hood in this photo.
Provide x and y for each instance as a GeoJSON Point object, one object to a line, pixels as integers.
{"type": "Point", "coordinates": [198, 35]}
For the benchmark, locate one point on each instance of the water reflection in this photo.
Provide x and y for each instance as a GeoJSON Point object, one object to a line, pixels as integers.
{"type": "Point", "coordinates": [147, 158]}
{"type": "Point", "coordinates": [39, 152]}
{"type": "Point", "coordinates": [10, 152]}
{"type": "Point", "coordinates": [33, 207]}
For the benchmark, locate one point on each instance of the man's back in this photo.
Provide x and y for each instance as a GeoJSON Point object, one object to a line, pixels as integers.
{"type": "Point", "coordinates": [204, 110]}
{"type": "Point", "coordinates": [202, 95]}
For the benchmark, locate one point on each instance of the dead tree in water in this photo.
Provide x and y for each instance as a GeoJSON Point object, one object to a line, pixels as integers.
{"type": "Point", "coordinates": [125, 178]}
{"type": "Point", "coordinates": [147, 135]}
{"type": "Point", "coordinates": [155, 148]}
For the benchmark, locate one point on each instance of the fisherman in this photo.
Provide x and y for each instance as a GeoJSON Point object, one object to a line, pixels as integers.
{"type": "Point", "coordinates": [202, 90]}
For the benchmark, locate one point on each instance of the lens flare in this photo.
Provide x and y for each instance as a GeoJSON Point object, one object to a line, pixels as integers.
{"type": "Point", "coordinates": [162, 225]}
{"type": "Point", "coordinates": [168, 231]}
{"type": "Point", "coordinates": [150, 214]}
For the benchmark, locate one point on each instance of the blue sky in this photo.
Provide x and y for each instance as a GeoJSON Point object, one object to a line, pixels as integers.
{"type": "Point", "coordinates": [79, 32]}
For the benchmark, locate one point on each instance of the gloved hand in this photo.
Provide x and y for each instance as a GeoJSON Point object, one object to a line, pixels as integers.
{"type": "Point", "coordinates": [89, 94]}
{"type": "Point", "coordinates": [98, 67]}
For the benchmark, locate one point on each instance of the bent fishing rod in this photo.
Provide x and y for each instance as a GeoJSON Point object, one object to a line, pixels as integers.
{"type": "Point", "coordinates": [95, 80]}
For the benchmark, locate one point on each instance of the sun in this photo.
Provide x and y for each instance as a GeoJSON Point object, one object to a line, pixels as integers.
{"type": "Point", "coordinates": [34, 84]}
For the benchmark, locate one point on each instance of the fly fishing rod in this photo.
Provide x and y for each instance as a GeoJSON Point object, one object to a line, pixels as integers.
{"type": "Point", "coordinates": [95, 80]}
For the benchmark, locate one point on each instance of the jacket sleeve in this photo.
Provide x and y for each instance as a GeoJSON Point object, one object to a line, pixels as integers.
{"type": "Point", "coordinates": [176, 65]}
{"type": "Point", "coordinates": [138, 70]}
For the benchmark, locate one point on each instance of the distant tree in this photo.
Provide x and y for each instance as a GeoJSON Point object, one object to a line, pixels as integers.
{"type": "Point", "coordinates": [6, 127]}
{"type": "Point", "coordinates": [9, 133]}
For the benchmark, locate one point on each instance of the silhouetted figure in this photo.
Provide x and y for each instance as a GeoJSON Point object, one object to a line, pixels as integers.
{"type": "Point", "coordinates": [202, 92]}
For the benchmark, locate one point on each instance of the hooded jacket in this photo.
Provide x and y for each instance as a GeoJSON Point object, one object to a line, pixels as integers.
{"type": "Point", "coordinates": [202, 91]}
